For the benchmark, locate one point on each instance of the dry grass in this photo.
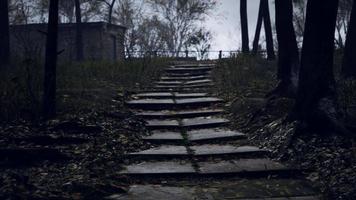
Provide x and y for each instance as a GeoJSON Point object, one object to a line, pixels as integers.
{"type": "Point", "coordinates": [244, 76]}
{"type": "Point", "coordinates": [80, 86]}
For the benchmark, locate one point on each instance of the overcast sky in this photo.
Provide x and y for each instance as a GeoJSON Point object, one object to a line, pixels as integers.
{"type": "Point", "coordinates": [225, 23]}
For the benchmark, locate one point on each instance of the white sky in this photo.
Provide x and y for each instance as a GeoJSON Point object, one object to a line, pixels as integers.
{"type": "Point", "coordinates": [225, 23]}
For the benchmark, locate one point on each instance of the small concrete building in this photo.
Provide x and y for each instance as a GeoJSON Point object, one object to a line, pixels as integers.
{"type": "Point", "coordinates": [102, 41]}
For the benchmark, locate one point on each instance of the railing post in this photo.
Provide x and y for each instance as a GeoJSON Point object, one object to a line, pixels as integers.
{"type": "Point", "coordinates": [220, 54]}
{"type": "Point", "coordinates": [186, 53]}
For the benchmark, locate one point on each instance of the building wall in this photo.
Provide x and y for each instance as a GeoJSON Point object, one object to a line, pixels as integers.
{"type": "Point", "coordinates": [28, 41]}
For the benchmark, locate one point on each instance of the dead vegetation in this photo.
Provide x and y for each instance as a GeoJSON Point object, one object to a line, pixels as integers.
{"type": "Point", "coordinates": [78, 154]}
{"type": "Point", "coordinates": [329, 158]}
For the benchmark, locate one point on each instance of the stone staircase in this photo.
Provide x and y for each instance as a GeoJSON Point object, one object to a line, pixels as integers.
{"type": "Point", "coordinates": [196, 156]}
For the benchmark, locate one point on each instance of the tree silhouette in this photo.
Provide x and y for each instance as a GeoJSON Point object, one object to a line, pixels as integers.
{"type": "Point", "coordinates": [268, 31]}
{"type": "Point", "coordinates": [349, 60]}
{"type": "Point", "coordinates": [316, 103]}
{"type": "Point", "coordinates": [79, 32]}
{"type": "Point", "coordinates": [49, 95]}
{"type": "Point", "coordinates": [264, 16]}
{"type": "Point", "coordinates": [244, 26]}
{"type": "Point", "coordinates": [4, 33]}
{"type": "Point", "coordinates": [258, 30]}
{"type": "Point", "coordinates": [288, 56]}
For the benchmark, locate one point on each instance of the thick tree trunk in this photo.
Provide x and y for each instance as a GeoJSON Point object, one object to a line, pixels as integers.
{"type": "Point", "coordinates": [258, 30]}
{"type": "Point", "coordinates": [288, 56]}
{"type": "Point", "coordinates": [244, 26]}
{"type": "Point", "coordinates": [4, 33]}
{"type": "Point", "coordinates": [316, 99]}
{"type": "Point", "coordinates": [349, 60]}
{"type": "Point", "coordinates": [268, 31]}
{"type": "Point", "coordinates": [49, 95]}
{"type": "Point", "coordinates": [79, 32]}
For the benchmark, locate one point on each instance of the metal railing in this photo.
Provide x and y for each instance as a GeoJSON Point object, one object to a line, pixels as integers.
{"type": "Point", "coordinates": [190, 55]}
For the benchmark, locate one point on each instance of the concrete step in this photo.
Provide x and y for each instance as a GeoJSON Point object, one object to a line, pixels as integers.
{"type": "Point", "coordinates": [236, 167]}
{"type": "Point", "coordinates": [206, 135]}
{"type": "Point", "coordinates": [185, 70]}
{"type": "Point", "coordinates": [162, 124]}
{"type": "Point", "coordinates": [181, 103]}
{"type": "Point", "coordinates": [168, 95]}
{"type": "Point", "coordinates": [185, 75]}
{"type": "Point", "coordinates": [171, 151]}
{"type": "Point", "coordinates": [203, 122]}
{"type": "Point", "coordinates": [191, 123]}
{"type": "Point", "coordinates": [178, 114]}
{"type": "Point", "coordinates": [192, 65]}
{"type": "Point", "coordinates": [213, 150]}
{"type": "Point", "coordinates": [171, 168]}
{"type": "Point", "coordinates": [185, 78]}
{"type": "Point", "coordinates": [176, 151]}
{"type": "Point", "coordinates": [164, 137]}
{"type": "Point", "coordinates": [182, 87]}
{"type": "Point", "coordinates": [243, 167]}
{"type": "Point", "coordinates": [255, 189]}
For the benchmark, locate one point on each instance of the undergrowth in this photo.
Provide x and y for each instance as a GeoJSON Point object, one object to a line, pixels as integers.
{"type": "Point", "coordinates": [330, 159]}
{"type": "Point", "coordinates": [80, 86]}
{"type": "Point", "coordinates": [244, 76]}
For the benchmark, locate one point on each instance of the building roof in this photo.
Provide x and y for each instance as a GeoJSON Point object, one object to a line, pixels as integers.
{"type": "Point", "coordinates": [84, 25]}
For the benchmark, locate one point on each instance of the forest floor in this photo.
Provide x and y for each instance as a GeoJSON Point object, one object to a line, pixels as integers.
{"type": "Point", "coordinates": [79, 154]}
{"type": "Point", "coordinates": [75, 156]}
{"type": "Point", "coordinates": [330, 159]}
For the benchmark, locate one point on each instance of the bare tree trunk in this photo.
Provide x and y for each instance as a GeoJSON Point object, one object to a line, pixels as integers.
{"type": "Point", "coordinates": [244, 26]}
{"type": "Point", "coordinates": [268, 31]}
{"type": "Point", "coordinates": [258, 30]}
{"type": "Point", "coordinates": [111, 8]}
{"type": "Point", "coordinates": [316, 103]}
{"type": "Point", "coordinates": [4, 33]}
{"type": "Point", "coordinates": [79, 32]}
{"type": "Point", "coordinates": [288, 56]}
{"type": "Point", "coordinates": [49, 95]}
{"type": "Point", "coordinates": [349, 60]}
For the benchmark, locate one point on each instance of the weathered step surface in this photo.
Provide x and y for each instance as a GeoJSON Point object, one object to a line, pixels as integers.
{"type": "Point", "coordinates": [151, 102]}
{"type": "Point", "coordinates": [188, 69]}
{"type": "Point", "coordinates": [203, 122]}
{"type": "Point", "coordinates": [179, 114]}
{"type": "Point", "coordinates": [198, 82]}
{"type": "Point", "coordinates": [170, 103]}
{"type": "Point", "coordinates": [256, 189]}
{"type": "Point", "coordinates": [169, 95]}
{"type": "Point", "coordinates": [190, 95]}
{"type": "Point", "coordinates": [197, 151]}
{"type": "Point", "coordinates": [184, 75]}
{"type": "Point", "coordinates": [182, 87]}
{"type": "Point", "coordinates": [198, 101]}
{"type": "Point", "coordinates": [160, 168]}
{"type": "Point", "coordinates": [163, 124]}
{"type": "Point", "coordinates": [190, 123]}
{"type": "Point", "coordinates": [155, 95]}
{"type": "Point", "coordinates": [169, 82]}
{"type": "Point", "coordinates": [189, 65]}
{"type": "Point", "coordinates": [164, 137]}
{"type": "Point", "coordinates": [185, 78]}
{"type": "Point", "coordinates": [163, 151]}
{"type": "Point", "coordinates": [242, 166]}
{"type": "Point", "coordinates": [220, 150]}
{"type": "Point", "coordinates": [204, 135]}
